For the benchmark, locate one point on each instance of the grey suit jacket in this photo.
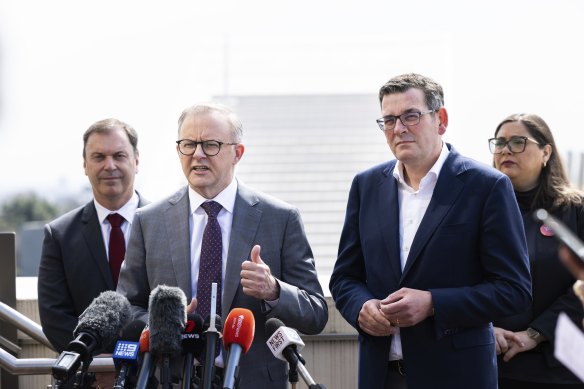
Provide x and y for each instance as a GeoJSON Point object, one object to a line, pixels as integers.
{"type": "Point", "coordinates": [73, 270]}
{"type": "Point", "coordinates": [159, 253]}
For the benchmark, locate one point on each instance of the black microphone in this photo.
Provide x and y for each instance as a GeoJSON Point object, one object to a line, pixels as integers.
{"type": "Point", "coordinates": [192, 346]}
{"type": "Point", "coordinates": [166, 320]}
{"type": "Point", "coordinates": [96, 332]}
{"type": "Point", "coordinates": [212, 335]}
{"type": "Point", "coordinates": [126, 352]}
{"type": "Point", "coordinates": [285, 344]}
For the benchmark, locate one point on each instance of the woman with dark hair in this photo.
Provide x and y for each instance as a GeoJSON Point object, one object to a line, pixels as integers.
{"type": "Point", "coordinates": [524, 149]}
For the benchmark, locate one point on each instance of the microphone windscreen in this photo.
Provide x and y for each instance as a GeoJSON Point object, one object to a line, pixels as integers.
{"type": "Point", "coordinates": [272, 325]}
{"type": "Point", "coordinates": [104, 317]}
{"type": "Point", "coordinates": [145, 340]}
{"type": "Point", "coordinates": [192, 337]}
{"type": "Point", "coordinates": [282, 338]}
{"type": "Point", "coordinates": [166, 319]}
{"type": "Point", "coordinates": [239, 328]}
{"type": "Point", "coordinates": [133, 330]}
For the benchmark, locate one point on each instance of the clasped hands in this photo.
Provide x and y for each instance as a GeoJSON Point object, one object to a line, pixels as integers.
{"type": "Point", "coordinates": [509, 343]}
{"type": "Point", "coordinates": [403, 308]}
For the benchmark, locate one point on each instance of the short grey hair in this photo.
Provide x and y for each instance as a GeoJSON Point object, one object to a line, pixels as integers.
{"type": "Point", "coordinates": [203, 108]}
{"type": "Point", "coordinates": [433, 93]}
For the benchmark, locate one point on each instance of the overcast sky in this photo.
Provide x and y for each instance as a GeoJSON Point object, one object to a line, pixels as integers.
{"type": "Point", "coordinates": [65, 64]}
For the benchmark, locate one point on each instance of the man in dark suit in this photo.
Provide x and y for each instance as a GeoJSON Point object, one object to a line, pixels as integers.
{"type": "Point", "coordinates": [432, 251]}
{"type": "Point", "coordinates": [75, 265]}
{"type": "Point", "coordinates": [167, 244]}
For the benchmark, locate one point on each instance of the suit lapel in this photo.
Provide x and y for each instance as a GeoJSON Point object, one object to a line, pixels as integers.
{"type": "Point", "coordinates": [246, 220]}
{"type": "Point", "coordinates": [91, 231]}
{"type": "Point", "coordinates": [446, 192]}
{"type": "Point", "coordinates": [177, 225]}
{"type": "Point", "coordinates": [388, 219]}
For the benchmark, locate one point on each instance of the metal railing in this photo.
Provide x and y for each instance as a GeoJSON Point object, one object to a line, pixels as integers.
{"type": "Point", "coordinates": [24, 324]}
{"type": "Point", "coordinates": [32, 366]}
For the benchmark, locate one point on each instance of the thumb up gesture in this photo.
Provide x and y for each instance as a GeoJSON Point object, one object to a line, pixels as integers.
{"type": "Point", "coordinates": [256, 279]}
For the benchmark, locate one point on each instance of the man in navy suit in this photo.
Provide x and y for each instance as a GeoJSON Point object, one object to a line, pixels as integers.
{"type": "Point", "coordinates": [432, 251]}
{"type": "Point", "coordinates": [74, 267]}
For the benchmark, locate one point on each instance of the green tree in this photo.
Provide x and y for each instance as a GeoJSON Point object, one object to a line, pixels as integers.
{"type": "Point", "coordinates": [23, 208]}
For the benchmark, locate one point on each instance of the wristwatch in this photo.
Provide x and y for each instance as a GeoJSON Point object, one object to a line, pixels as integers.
{"type": "Point", "coordinates": [533, 334]}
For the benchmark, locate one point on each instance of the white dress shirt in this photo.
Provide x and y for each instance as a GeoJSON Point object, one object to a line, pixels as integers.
{"type": "Point", "coordinates": [412, 207]}
{"type": "Point", "coordinates": [198, 221]}
{"type": "Point", "coordinates": [127, 212]}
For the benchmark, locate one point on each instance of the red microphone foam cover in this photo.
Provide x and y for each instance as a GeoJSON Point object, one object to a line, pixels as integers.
{"type": "Point", "coordinates": [145, 340]}
{"type": "Point", "coordinates": [239, 328]}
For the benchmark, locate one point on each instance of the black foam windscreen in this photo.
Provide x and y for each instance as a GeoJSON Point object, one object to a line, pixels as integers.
{"type": "Point", "coordinates": [166, 319]}
{"type": "Point", "coordinates": [104, 317]}
{"type": "Point", "coordinates": [192, 337]}
{"type": "Point", "coordinates": [272, 325]}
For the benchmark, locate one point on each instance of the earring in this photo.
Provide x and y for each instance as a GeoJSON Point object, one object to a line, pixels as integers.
{"type": "Point", "coordinates": [544, 164]}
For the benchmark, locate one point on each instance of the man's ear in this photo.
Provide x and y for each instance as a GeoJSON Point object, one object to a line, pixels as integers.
{"type": "Point", "coordinates": [443, 117]}
{"type": "Point", "coordinates": [239, 149]}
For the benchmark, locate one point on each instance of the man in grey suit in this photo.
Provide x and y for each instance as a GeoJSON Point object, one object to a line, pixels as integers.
{"type": "Point", "coordinates": [165, 247]}
{"type": "Point", "coordinates": [74, 267]}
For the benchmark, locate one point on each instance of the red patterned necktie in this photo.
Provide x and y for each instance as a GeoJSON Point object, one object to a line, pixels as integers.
{"type": "Point", "coordinates": [117, 246]}
{"type": "Point", "coordinates": [210, 266]}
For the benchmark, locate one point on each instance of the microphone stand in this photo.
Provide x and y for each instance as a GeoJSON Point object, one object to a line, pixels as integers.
{"type": "Point", "coordinates": [293, 372]}
{"type": "Point", "coordinates": [211, 337]}
{"type": "Point", "coordinates": [298, 365]}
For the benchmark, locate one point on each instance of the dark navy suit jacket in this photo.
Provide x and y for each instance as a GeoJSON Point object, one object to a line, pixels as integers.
{"type": "Point", "coordinates": [469, 252]}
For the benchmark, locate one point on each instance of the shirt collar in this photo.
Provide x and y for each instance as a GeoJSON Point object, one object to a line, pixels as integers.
{"type": "Point", "coordinates": [226, 198]}
{"type": "Point", "coordinates": [127, 211]}
{"type": "Point", "coordinates": [398, 170]}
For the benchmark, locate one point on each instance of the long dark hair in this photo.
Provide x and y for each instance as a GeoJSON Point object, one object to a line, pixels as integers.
{"type": "Point", "coordinates": [554, 189]}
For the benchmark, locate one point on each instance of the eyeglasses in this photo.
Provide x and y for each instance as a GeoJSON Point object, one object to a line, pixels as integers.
{"type": "Point", "coordinates": [210, 147]}
{"type": "Point", "coordinates": [388, 122]}
{"type": "Point", "coordinates": [515, 144]}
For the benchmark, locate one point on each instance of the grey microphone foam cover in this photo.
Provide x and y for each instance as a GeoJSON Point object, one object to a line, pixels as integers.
{"type": "Point", "coordinates": [104, 317]}
{"type": "Point", "coordinates": [166, 319]}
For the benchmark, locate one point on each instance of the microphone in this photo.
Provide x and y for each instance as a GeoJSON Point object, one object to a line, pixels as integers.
{"type": "Point", "coordinates": [126, 352]}
{"type": "Point", "coordinates": [212, 334]}
{"type": "Point", "coordinates": [166, 320]}
{"type": "Point", "coordinates": [147, 360]}
{"type": "Point", "coordinates": [192, 345]}
{"type": "Point", "coordinates": [238, 333]}
{"type": "Point", "coordinates": [96, 331]}
{"type": "Point", "coordinates": [285, 344]}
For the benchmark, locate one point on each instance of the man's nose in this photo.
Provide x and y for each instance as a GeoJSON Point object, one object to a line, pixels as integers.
{"type": "Point", "coordinates": [399, 128]}
{"type": "Point", "coordinates": [110, 163]}
{"type": "Point", "coordinates": [199, 153]}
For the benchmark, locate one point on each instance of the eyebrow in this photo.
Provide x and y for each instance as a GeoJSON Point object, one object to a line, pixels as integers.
{"type": "Point", "coordinates": [409, 110]}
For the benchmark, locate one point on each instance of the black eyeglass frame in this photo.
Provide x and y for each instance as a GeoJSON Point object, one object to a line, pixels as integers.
{"type": "Point", "coordinates": [507, 143]}
{"type": "Point", "coordinates": [202, 143]}
{"type": "Point", "coordinates": [417, 114]}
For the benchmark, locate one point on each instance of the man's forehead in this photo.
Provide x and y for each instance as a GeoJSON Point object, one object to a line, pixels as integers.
{"type": "Point", "coordinates": [111, 141]}
{"type": "Point", "coordinates": [409, 99]}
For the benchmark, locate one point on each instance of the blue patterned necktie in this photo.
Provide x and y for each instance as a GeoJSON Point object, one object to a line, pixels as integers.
{"type": "Point", "coordinates": [210, 267]}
